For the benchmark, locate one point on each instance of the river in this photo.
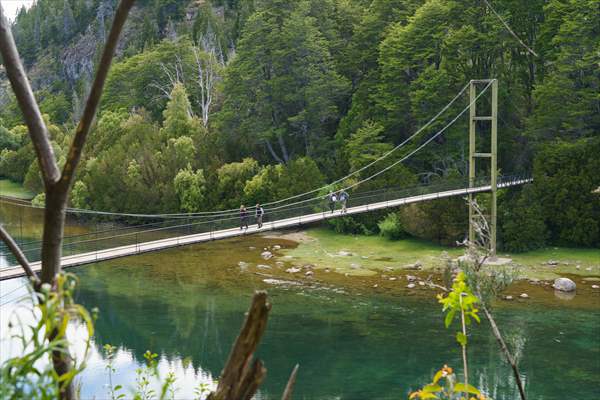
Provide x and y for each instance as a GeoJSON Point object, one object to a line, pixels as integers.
{"type": "Point", "coordinates": [352, 342]}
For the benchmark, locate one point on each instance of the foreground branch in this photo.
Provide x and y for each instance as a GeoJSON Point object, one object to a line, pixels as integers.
{"type": "Point", "coordinates": [27, 104]}
{"type": "Point", "coordinates": [57, 185]}
{"type": "Point", "coordinates": [505, 350]}
{"type": "Point", "coordinates": [241, 377]}
{"type": "Point", "coordinates": [289, 388]}
{"type": "Point", "coordinates": [16, 251]}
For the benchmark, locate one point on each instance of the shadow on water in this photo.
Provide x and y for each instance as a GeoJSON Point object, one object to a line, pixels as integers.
{"type": "Point", "coordinates": [188, 304]}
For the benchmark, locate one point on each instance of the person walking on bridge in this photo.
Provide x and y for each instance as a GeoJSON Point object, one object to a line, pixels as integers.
{"type": "Point", "coordinates": [343, 197]}
{"type": "Point", "coordinates": [260, 212]}
{"type": "Point", "coordinates": [332, 197]}
{"type": "Point", "coordinates": [243, 217]}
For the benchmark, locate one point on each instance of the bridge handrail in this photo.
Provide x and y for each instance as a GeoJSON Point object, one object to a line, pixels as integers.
{"type": "Point", "coordinates": [356, 200]}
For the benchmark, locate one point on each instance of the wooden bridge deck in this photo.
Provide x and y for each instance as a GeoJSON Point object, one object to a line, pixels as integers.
{"type": "Point", "coordinates": [155, 245]}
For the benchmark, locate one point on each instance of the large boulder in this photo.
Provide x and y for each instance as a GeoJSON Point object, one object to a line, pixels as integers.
{"type": "Point", "coordinates": [564, 285]}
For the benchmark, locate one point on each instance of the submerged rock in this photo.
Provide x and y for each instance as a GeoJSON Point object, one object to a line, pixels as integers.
{"type": "Point", "coordinates": [595, 287]}
{"type": "Point", "coordinates": [415, 266]}
{"type": "Point", "coordinates": [564, 285]}
{"type": "Point", "coordinates": [524, 296]}
{"type": "Point", "coordinates": [243, 264]}
{"type": "Point", "coordinates": [393, 278]}
{"type": "Point", "coordinates": [509, 297]}
{"type": "Point", "coordinates": [309, 273]}
{"type": "Point", "coordinates": [344, 253]}
{"type": "Point", "coordinates": [262, 266]}
{"type": "Point", "coordinates": [552, 262]}
{"type": "Point", "coordinates": [266, 255]}
{"type": "Point", "coordinates": [411, 286]}
{"type": "Point", "coordinates": [276, 247]}
{"type": "Point", "coordinates": [411, 278]}
{"type": "Point", "coordinates": [292, 270]}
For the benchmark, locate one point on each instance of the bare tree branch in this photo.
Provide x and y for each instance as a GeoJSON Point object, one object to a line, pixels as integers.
{"type": "Point", "coordinates": [21, 259]}
{"type": "Point", "coordinates": [289, 388]}
{"type": "Point", "coordinates": [89, 112]}
{"type": "Point", "coordinates": [27, 103]}
{"type": "Point", "coordinates": [57, 185]}
{"type": "Point", "coordinates": [505, 350]}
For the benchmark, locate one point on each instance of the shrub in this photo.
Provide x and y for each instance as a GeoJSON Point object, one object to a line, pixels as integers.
{"type": "Point", "coordinates": [522, 226]}
{"type": "Point", "coordinates": [348, 225]}
{"type": "Point", "coordinates": [391, 227]}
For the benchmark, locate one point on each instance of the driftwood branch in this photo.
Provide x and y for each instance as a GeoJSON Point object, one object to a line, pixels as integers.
{"type": "Point", "coordinates": [505, 350]}
{"type": "Point", "coordinates": [241, 377]}
{"type": "Point", "coordinates": [16, 251]}
{"type": "Point", "coordinates": [31, 112]}
{"type": "Point", "coordinates": [289, 388]}
{"type": "Point", "coordinates": [93, 100]}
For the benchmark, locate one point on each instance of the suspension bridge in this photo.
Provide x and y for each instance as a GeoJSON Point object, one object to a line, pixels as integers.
{"type": "Point", "coordinates": [114, 239]}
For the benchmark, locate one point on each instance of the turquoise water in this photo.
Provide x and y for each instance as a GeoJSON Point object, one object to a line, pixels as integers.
{"type": "Point", "coordinates": [351, 343]}
{"type": "Point", "coordinates": [187, 305]}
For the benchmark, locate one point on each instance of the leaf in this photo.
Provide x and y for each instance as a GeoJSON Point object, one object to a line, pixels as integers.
{"type": "Point", "coordinates": [425, 395]}
{"type": "Point", "coordinates": [461, 387]}
{"type": "Point", "coordinates": [432, 388]}
{"type": "Point", "coordinates": [437, 376]}
{"type": "Point", "coordinates": [461, 338]}
{"type": "Point", "coordinates": [449, 318]}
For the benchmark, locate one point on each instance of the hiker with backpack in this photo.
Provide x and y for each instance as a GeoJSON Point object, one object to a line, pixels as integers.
{"type": "Point", "coordinates": [260, 212]}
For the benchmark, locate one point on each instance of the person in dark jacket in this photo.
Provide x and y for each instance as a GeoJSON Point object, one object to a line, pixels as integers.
{"type": "Point", "coordinates": [343, 198]}
{"type": "Point", "coordinates": [243, 217]}
{"type": "Point", "coordinates": [260, 212]}
{"type": "Point", "coordinates": [332, 197]}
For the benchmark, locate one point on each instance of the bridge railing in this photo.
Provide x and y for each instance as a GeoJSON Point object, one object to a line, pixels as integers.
{"type": "Point", "coordinates": [110, 235]}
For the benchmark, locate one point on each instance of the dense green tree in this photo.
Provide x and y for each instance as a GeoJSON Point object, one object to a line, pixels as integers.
{"type": "Point", "coordinates": [231, 180]}
{"type": "Point", "coordinates": [565, 176]}
{"type": "Point", "coordinates": [276, 182]}
{"type": "Point", "coordinates": [567, 102]}
{"type": "Point", "coordinates": [282, 91]}
{"type": "Point", "coordinates": [521, 221]}
{"type": "Point", "coordinates": [178, 118]}
{"type": "Point", "coordinates": [190, 188]}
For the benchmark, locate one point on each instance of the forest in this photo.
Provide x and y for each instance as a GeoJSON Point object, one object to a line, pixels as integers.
{"type": "Point", "coordinates": [215, 103]}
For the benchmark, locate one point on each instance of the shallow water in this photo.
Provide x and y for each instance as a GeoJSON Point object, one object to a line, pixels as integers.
{"type": "Point", "coordinates": [187, 305]}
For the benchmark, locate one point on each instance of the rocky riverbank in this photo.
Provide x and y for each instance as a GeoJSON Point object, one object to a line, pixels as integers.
{"type": "Point", "coordinates": [363, 265]}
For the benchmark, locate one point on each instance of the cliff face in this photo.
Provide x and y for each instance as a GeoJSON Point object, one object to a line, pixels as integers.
{"type": "Point", "coordinates": [60, 50]}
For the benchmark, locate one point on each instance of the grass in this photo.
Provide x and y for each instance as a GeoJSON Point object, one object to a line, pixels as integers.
{"type": "Point", "coordinates": [12, 189]}
{"type": "Point", "coordinates": [370, 254]}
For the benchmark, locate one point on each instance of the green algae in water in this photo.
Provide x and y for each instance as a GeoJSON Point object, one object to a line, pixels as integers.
{"type": "Point", "coordinates": [188, 304]}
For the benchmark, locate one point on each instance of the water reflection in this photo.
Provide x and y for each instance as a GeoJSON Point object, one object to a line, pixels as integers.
{"type": "Point", "coordinates": [187, 305]}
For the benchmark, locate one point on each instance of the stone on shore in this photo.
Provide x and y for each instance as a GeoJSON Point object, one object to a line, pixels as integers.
{"type": "Point", "coordinates": [266, 255]}
{"type": "Point", "coordinates": [564, 285]}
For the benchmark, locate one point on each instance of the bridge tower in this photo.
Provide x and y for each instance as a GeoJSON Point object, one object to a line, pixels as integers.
{"type": "Point", "coordinates": [492, 155]}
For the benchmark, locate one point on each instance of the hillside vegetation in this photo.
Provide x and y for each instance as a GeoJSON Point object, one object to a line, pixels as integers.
{"type": "Point", "coordinates": [215, 103]}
